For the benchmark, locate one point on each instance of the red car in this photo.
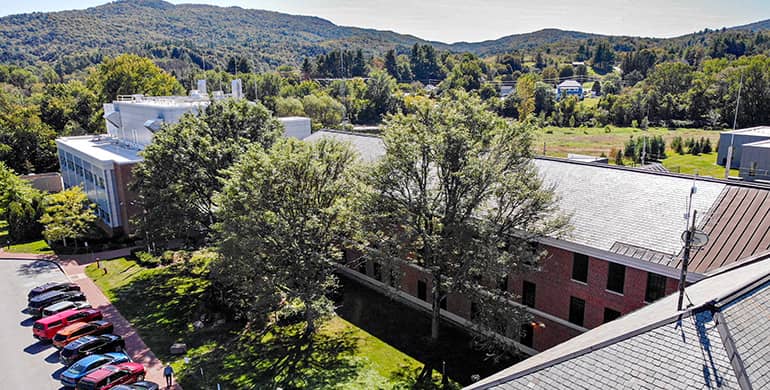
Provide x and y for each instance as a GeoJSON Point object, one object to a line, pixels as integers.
{"type": "Point", "coordinates": [110, 376]}
{"type": "Point", "coordinates": [45, 328]}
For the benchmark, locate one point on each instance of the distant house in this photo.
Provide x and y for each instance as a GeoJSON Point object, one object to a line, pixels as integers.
{"type": "Point", "coordinates": [569, 88]}
{"type": "Point", "coordinates": [506, 90]}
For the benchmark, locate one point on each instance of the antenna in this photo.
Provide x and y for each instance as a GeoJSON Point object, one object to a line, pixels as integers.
{"type": "Point", "coordinates": [732, 134]}
{"type": "Point", "coordinates": [692, 239]}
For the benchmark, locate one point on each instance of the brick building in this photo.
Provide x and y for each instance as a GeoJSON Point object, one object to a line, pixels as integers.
{"type": "Point", "coordinates": [623, 252]}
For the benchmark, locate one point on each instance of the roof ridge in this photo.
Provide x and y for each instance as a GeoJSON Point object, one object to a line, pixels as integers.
{"type": "Point", "coordinates": [679, 316]}
{"type": "Point", "coordinates": [346, 132]}
{"type": "Point", "coordinates": [657, 173]}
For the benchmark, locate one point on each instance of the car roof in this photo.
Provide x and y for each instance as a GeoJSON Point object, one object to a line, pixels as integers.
{"type": "Point", "coordinates": [105, 371]}
{"type": "Point", "coordinates": [91, 358]}
{"type": "Point", "coordinates": [60, 305]}
{"type": "Point", "coordinates": [72, 327]}
{"type": "Point", "coordinates": [80, 342]}
{"type": "Point", "coordinates": [58, 316]}
{"type": "Point", "coordinates": [47, 295]}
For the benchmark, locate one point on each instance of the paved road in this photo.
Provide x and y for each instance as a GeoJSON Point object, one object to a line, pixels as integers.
{"type": "Point", "coordinates": [26, 364]}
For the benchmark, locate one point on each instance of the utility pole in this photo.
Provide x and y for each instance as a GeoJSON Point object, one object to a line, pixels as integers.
{"type": "Point", "coordinates": [732, 134]}
{"type": "Point", "coordinates": [688, 234]}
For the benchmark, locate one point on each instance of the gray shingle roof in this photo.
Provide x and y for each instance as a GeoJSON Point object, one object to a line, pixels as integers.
{"type": "Point", "coordinates": [369, 147]}
{"type": "Point", "coordinates": [658, 347]}
{"type": "Point", "coordinates": [635, 208]}
{"type": "Point", "coordinates": [748, 321]}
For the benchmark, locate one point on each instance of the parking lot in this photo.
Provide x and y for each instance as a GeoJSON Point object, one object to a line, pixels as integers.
{"type": "Point", "coordinates": [26, 363]}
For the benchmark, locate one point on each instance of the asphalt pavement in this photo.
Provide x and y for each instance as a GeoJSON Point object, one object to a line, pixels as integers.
{"type": "Point", "coordinates": [26, 363]}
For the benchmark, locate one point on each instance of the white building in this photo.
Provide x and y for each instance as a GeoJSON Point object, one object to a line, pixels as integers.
{"type": "Point", "coordinates": [102, 164]}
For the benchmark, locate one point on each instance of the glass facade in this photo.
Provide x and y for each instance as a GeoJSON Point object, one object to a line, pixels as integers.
{"type": "Point", "coordinates": [94, 181]}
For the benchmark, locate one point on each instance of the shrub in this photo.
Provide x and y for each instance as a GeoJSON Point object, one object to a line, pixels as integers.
{"type": "Point", "coordinates": [146, 259]}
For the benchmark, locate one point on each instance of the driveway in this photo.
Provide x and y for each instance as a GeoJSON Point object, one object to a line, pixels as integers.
{"type": "Point", "coordinates": [26, 363]}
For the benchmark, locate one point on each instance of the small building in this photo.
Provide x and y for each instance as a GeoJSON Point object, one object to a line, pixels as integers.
{"type": "Point", "coordinates": [50, 182]}
{"type": "Point", "coordinates": [739, 138]}
{"type": "Point", "coordinates": [569, 88]}
{"type": "Point", "coordinates": [506, 90]}
{"type": "Point", "coordinates": [755, 161]}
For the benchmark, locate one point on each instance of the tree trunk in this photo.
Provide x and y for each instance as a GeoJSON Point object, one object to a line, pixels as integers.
{"type": "Point", "coordinates": [436, 312]}
{"type": "Point", "coordinates": [310, 319]}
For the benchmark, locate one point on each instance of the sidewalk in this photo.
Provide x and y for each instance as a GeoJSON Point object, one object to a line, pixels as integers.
{"type": "Point", "coordinates": [74, 267]}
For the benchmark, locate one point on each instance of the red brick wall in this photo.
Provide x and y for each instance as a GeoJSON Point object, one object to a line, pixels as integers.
{"type": "Point", "coordinates": [554, 287]}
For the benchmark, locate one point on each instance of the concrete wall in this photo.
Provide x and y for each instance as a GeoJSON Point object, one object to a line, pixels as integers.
{"type": "Point", "coordinates": [755, 163]}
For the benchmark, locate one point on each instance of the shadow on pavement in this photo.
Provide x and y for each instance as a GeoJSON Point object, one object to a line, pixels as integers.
{"type": "Point", "coordinates": [36, 267]}
{"type": "Point", "coordinates": [57, 374]}
{"type": "Point", "coordinates": [37, 347]}
{"type": "Point", "coordinates": [53, 357]}
{"type": "Point", "coordinates": [28, 322]}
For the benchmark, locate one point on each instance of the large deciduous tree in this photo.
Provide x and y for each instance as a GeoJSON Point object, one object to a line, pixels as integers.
{"type": "Point", "coordinates": [182, 168]}
{"type": "Point", "coordinates": [20, 205]}
{"type": "Point", "coordinates": [458, 196]}
{"type": "Point", "coordinates": [129, 74]}
{"type": "Point", "coordinates": [26, 143]}
{"type": "Point", "coordinates": [283, 215]}
{"type": "Point", "coordinates": [68, 214]}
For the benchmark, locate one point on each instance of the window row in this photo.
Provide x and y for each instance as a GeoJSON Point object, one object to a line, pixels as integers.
{"type": "Point", "coordinates": [616, 278]}
{"type": "Point", "coordinates": [577, 311]}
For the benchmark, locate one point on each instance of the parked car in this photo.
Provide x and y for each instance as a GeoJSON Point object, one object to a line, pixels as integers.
{"type": "Point", "coordinates": [45, 328]}
{"type": "Point", "coordinates": [38, 303]}
{"type": "Point", "coordinates": [64, 305]}
{"type": "Point", "coordinates": [88, 345]}
{"type": "Point", "coordinates": [142, 385]}
{"type": "Point", "coordinates": [110, 376]}
{"type": "Point", "coordinates": [70, 377]}
{"type": "Point", "coordinates": [77, 330]}
{"type": "Point", "coordinates": [52, 286]}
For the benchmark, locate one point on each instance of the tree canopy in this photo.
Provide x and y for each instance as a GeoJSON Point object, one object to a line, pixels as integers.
{"type": "Point", "coordinates": [129, 74]}
{"type": "Point", "coordinates": [68, 214]}
{"type": "Point", "coordinates": [457, 195]}
{"type": "Point", "coordinates": [283, 215]}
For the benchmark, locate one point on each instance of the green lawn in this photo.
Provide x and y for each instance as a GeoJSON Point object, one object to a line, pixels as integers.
{"type": "Point", "coordinates": [39, 246]}
{"type": "Point", "coordinates": [560, 141]}
{"type": "Point", "coordinates": [162, 303]}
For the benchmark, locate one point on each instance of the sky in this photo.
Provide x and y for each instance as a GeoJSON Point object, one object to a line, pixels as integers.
{"type": "Point", "coordinates": [467, 20]}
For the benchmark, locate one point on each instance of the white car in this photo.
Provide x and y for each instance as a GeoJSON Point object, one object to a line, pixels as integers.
{"type": "Point", "coordinates": [64, 305]}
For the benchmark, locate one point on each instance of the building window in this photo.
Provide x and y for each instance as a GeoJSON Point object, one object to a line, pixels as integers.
{"type": "Point", "coordinates": [577, 310]}
{"type": "Point", "coordinates": [525, 337]}
{"type": "Point", "coordinates": [610, 315]}
{"type": "Point", "coordinates": [580, 267]}
{"type": "Point", "coordinates": [422, 290]}
{"type": "Point", "coordinates": [616, 277]}
{"type": "Point", "coordinates": [528, 294]}
{"type": "Point", "coordinates": [656, 287]}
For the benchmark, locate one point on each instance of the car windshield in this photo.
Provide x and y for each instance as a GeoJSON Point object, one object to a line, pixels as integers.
{"type": "Point", "coordinates": [83, 385]}
{"type": "Point", "coordinates": [59, 337]}
{"type": "Point", "coordinates": [38, 326]}
{"type": "Point", "coordinates": [77, 367]}
{"type": "Point", "coordinates": [66, 352]}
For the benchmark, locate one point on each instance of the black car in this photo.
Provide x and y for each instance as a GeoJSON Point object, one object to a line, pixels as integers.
{"type": "Point", "coordinates": [141, 385]}
{"type": "Point", "coordinates": [87, 345]}
{"type": "Point", "coordinates": [38, 303]}
{"type": "Point", "coordinates": [52, 286]}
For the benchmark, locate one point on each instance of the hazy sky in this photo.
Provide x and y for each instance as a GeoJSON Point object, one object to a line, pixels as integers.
{"type": "Point", "coordinates": [468, 20]}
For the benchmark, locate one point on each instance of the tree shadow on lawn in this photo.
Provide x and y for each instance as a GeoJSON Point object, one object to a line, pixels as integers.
{"type": "Point", "coordinates": [161, 304]}
{"type": "Point", "coordinates": [280, 358]}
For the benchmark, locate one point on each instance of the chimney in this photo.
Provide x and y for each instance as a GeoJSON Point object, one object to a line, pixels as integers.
{"type": "Point", "coordinates": [237, 89]}
{"type": "Point", "coordinates": [202, 87]}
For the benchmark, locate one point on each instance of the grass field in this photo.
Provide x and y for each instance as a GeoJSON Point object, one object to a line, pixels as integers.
{"type": "Point", "coordinates": [560, 141]}
{"type": "Point", "coordinates": [38, 246]}
{"type": "Point", "coordinates": [161, 303]}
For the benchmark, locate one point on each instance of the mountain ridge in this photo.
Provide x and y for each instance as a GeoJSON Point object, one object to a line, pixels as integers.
{"type": "Point", "coordinates": [212, 33]}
